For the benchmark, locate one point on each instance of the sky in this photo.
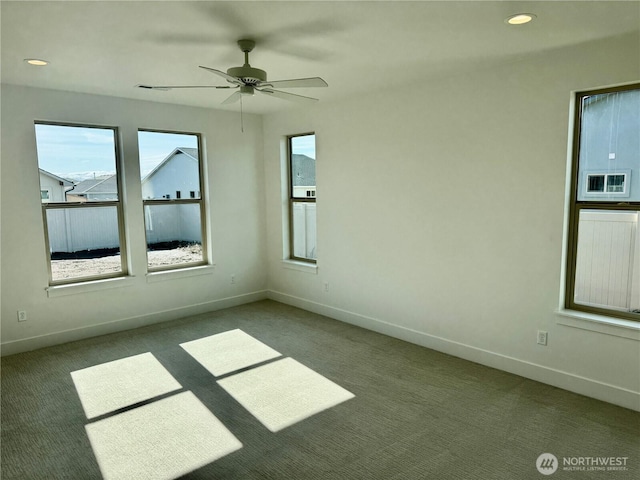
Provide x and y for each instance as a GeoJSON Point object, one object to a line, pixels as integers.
{"type": "Point", "coordinates": [305, 145]}
{"type": "Point", "coordinates": [155, 146]}
{"type": "Point", "coordinates": [78, 153]}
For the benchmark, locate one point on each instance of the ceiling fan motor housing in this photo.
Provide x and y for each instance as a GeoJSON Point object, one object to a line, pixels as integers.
{"type": "Point", "coordinates": [248, 75]}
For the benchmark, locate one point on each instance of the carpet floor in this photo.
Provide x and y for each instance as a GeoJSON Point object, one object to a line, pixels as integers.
{"type": "Point", "coordinates": [414, 413]}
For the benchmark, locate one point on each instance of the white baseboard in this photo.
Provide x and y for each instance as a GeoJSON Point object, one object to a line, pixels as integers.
{"type": "Point", "coordinates": [557, 378]}
{"type": "Point", "coordinates": [57, 338]}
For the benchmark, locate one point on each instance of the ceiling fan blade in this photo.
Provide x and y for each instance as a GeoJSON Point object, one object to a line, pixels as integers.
{"type": "Point", "coordinates": [295, 83]}
{"type": "Point", "coordinates": [153, 87]}
{"type": "Point", "coordinates": [227, 77]}
{"type": "Point", "coordinates": [232, 99]}
{"type": "Point", "coordinates": [171, 87]}
{"type": "Point", "coordinates": [287, 96]}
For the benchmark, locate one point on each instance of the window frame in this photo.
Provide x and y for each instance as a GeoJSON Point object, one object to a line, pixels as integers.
{"type": "Point", "coordinates": [594, 201]}
{"type": "Point", "coordinates": [118, 204]}
{"type": "Point", "coordinates": [293, 199]}
{"type": "Point", "coordinates": [180, 201]}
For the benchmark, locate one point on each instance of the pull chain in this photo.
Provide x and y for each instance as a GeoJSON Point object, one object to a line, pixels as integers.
{"type": "Point", "coordinates": [241, 117]}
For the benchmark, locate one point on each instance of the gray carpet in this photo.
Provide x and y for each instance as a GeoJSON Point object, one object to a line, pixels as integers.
{"type": "Point", "coordinates": [416, 413]}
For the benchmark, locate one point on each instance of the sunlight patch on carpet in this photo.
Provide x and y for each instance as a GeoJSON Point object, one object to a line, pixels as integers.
{"type": "Point", "coordinates": [283, 393]}
{"type": "Point", "coordinates": [162, 440]}
{"type": "Point", "coordinates": [229, 351]}
{"type": "Point", "coordinates": [113, 385]}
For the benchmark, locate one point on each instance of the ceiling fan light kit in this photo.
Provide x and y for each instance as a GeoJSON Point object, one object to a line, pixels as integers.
{"type": "Point", "coordinates": [249, 80]}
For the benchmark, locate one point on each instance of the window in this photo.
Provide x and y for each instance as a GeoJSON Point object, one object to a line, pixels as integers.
{"type": "Point", "coordinates": [302, 197]}
{"type": "Point", "coordinates": [603, 261]}
{"type": "Point", "coordinates": [595, 183]}
{"type": "Point", "coordinates": [615, 183]}
{"type": "Point", "coordinates": [175, 228]}
{"type": "Point", "coordinates": [607, 183]}
{"type": "Point", "coordinates": [82, 211]}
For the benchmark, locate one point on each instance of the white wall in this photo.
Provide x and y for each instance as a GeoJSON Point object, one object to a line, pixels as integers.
{"type": "Point", "coordinates": [235, 180]}
{"type": "Point", "coordinates": [440, 216]}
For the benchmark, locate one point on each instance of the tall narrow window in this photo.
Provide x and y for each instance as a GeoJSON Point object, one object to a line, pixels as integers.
{"type": "Point", "coordinates": [302, 197]}
{"type": "Point", "coordinates": [175, 228]}
{"type": "Point", "coordinates": [80, 193]}
{"type": "Point", "coordinates": [604, 238]}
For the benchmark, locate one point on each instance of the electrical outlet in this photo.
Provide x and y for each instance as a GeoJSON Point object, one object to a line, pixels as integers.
{"type": "Point", "coordinates": [542, 337]}
{"type": "Point", "coordinates": [233, 279]}
{"type": "Point", "coordinates": [326, 286]}
{"type": "Point", "coordinates": [22, 316]}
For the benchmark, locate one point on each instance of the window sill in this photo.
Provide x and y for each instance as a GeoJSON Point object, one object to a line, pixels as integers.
{"type": "Point", "coordinates": [597, 323]}
{"type": "Point", "coordinates": [91, 286]}
{"type": "Point", "coordinates": [164, 275]}
{"type": "Point", "coordinates": [300, 266]}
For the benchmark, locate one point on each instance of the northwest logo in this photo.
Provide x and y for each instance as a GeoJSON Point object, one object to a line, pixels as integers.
{"type": "Point", "coordinates": [547, 463]}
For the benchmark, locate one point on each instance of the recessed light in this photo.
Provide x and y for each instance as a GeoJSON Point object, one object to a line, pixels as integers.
{"type": "Point", "coordinates": [520, 18]}
{"type": "Point", "coordinates": [36, 61]}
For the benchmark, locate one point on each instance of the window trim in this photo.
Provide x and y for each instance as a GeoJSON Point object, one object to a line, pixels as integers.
{"type": "Point", "coordinates": [180, 201]}
{"type": "Point", "coordinates": [293, 200]}
{"type": "Point", "coordinates": [608, 325]}
{"type": "Point", "coordinates": [595, 201]}
{"type": "Point", "coordinates": [119, 204]}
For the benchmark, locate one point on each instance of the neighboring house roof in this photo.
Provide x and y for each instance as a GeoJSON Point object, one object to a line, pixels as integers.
{"type": "Point", "coordinates": [192, 152]}
{"type": "Point", "coordinates": [303, 170]}
{"type": "Point", "coordinates": [63, 181]}
{"type": "Point", "coordinates": [96, 185]}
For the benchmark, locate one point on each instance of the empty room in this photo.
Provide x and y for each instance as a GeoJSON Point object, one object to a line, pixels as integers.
{"type": "Point", "coordinates": [320, 240]}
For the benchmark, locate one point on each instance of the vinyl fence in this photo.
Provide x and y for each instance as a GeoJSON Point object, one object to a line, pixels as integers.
{"type": "Point", "coordinates": [304, 229]}
{"type": "Point", "coordinates": [608, 263]}
{"type": "Point", "coordinates": [94, 228]}
{"type": "Point", "coordinates": [173, 223]}
{"type": "Point", "coordinates": [79, 229]}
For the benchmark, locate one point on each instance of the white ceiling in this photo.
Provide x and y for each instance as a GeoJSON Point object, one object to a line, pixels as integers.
{"type": "Point", "coordinates": [107, 47]}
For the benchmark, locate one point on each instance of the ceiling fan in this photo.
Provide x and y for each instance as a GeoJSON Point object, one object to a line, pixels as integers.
{"type": "Point", "coordinates": [249, 80]}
